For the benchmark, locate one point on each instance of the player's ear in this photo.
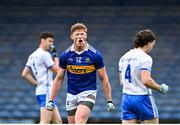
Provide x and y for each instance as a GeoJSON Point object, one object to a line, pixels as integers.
{"type": "Point", "coordinates": [72, 36]}
{"type": "Point", "coordinates": [86, 35]}
{"type": "Point", "coordinates": [149, 44]}
{"type": "Point", "coordinates": [42, 40]}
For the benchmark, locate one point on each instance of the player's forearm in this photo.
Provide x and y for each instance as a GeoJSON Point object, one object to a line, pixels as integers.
{"type": "Point", "coordinates": [120, 79]}
{"type": "Point", "coordinates": [55, 88]}
{"type": "Point", "coordinates": [30, 79]}
{"type": "Point", "coordinates": [107, 90]}
{"type": "Point", "coordinates": [150, 83]}
{"type": "Point", "coordinates": [56, 60]}
{"type": "Point", "coordinates": [54, 91]}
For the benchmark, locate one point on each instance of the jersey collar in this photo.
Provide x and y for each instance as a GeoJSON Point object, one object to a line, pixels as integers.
{"type": "Point", "coordinates": [86, 49]}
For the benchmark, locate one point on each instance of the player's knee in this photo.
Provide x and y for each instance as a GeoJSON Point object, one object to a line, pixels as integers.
{"type": "Point", "coordinates": [44, 122]}
{"type": "Point", "coordinates": [57, 121]}
{"type": "Point", "coordinates": [80, 119]}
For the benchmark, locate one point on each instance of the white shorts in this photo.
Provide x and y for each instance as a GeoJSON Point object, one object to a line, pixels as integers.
{"type": "Point", "coordinates": [72, 101]}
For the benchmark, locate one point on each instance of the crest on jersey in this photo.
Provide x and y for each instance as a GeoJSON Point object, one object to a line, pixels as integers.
{"type": "Point", "coordinates": [87, 60]}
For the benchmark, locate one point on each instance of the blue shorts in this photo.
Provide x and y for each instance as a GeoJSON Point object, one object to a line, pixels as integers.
{"type": "Point", "coordinates": [140, 107]}
{"type": "Point", "coordinates": [43, 100]}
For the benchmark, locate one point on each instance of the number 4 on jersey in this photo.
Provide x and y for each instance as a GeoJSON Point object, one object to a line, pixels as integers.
{"type": "Point", "coordinates": [128, 73]}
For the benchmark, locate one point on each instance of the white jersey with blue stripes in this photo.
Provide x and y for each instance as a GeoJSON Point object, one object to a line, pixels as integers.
{"type": "Point", "coordinates": [39, 62]}
{"type": "Point", "coordinates": [130, 66]}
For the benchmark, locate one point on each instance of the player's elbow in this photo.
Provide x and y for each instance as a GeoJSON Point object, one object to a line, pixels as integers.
{"type": "Point", "coordinates": [23, 74]}
{"type": "Point", "coordinates": [147, 81]}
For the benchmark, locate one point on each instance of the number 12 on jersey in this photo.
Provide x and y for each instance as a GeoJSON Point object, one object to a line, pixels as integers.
{"type": "Point", "coordinates": [128, 73]}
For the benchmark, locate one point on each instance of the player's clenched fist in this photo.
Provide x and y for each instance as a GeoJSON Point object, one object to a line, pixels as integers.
{"type": "Point", "coordinates": [50, 106]}
{"type": "Point", "coordinates": [164, 88]}
{"type": "Point", "coordinates": [110, 106]}
{"type": "Point", "coordinates": [53, 51]}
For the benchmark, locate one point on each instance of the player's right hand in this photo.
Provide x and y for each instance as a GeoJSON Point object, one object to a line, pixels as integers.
{"type": "Point", "coordinates": [50, 106]}
{"type": "Point", "coordinates": [164, 88]}
{"type": "Point", "coordinates": [53, 51]}
{"type": "Point", "coordinates": [110, 106]}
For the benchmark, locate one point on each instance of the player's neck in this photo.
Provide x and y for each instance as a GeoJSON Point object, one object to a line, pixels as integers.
{"type": "Point", "coordinates": [42, 47]}
{"type": "Point", "coordinates": [80, 48]}
{"type": "Point", "coordinates": [144, 49]}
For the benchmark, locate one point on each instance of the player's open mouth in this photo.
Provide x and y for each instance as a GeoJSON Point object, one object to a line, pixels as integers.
{"type": "Point", "coordinates": [80, 41]}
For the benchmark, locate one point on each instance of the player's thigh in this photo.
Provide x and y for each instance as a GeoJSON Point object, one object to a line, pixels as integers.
{"type": "Point", "coordinates": [151, 121]}
{"type": "Point", "coordinates": [86, 101]}
{"type": "Point", "coordinates": [82, 113]}
{"type": "Point", "coordinates": [131, 121]}
{"type": "Point", "coordinates": [71, 106]}
{"type": "Point", "coordinates": [45, 115]}
{"type": "Point", "coordinates": [87, 98]}
{"type": "Point", "coordinates": [71, 119]}
{"type": "Point", "coordinates": [56, 118]}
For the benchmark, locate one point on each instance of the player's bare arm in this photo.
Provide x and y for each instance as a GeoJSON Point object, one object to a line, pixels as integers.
{"type": "Point", "coordinates": [106, 87]}
{"type": "Point", "coordinates": [120, 79]}
{"type": "Point", "coordinates": [26, 74]}
{"type": "Point", "coordinates": [55, 88]}
{"type": "Point", "coordinates": [105, 83]}
{"type": "Point", "coordinates": [57, 82]}
{"type": "Point", "coordinates": [148, 81]}
{"type": "Point", "coordinates": [54, 68]}
{"type": "Point", "coordinates": [56, 61]}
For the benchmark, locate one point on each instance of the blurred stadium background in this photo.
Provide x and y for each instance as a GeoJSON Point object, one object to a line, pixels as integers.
{"type": "Point", "coordinates": [111, 27]}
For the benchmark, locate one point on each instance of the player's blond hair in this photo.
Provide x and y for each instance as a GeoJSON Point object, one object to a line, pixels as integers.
{"type": "Point", "coordinates": [78, 26]}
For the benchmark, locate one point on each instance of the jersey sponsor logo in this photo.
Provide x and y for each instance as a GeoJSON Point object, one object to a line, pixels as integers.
{"type": "Point", "coordinates": [80, 69]}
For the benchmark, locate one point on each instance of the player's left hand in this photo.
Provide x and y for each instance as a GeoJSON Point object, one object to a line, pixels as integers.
{"type": "Point", "coordinates": [53, 51]}
{"type": "Point", "coordinates": [110, 106]}
{"type": "Point", "coordinates": [164, 88]}
{"type": "Point", "coordinates": [50, 106]}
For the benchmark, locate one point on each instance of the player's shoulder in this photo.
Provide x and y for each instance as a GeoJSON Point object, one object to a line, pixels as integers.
{"type": "Point", "coordinates": [147, 57]}
{"type": "Point", "coordinates": [92, 49]}
{"type": "Point", "coordinates": [41, 54]}
{"type": "Point", "coordinates": [34, 53]}
{"type": "Point", "coordinates": [141, 54]}
{"type": "Point", "coordinates": [127, 54]}
{"type": "Point", "coordinates": [40, 51]}
{"type": "Point", "coordinates": [94, 53]}
{"type": "Point", "coordinates": [67, 50]}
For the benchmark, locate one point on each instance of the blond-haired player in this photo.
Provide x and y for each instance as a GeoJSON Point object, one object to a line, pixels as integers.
{"type": "Point", "coordinates": [82, 62]}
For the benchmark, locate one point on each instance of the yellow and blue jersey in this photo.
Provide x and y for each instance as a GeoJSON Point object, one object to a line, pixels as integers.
{"type": "Point", "coordinates": [81, 68]}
